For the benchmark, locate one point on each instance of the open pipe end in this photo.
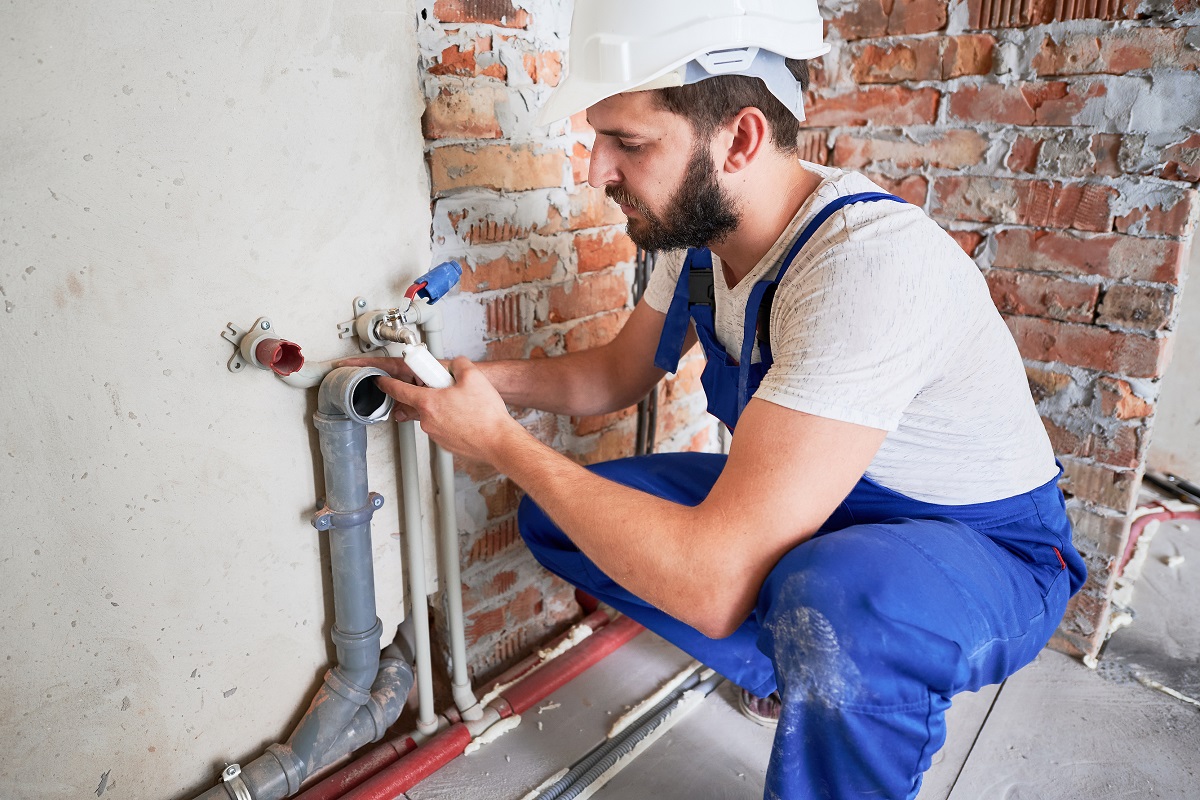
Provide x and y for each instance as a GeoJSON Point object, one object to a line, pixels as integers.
{"type": "Point", "coordinates": [352, 392]}
{"type": "Point", "coordinates": [280, 356]}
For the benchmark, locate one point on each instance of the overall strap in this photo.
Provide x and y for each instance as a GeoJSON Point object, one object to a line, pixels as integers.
{"type": "Point", "coordinates": [675, 327]}
{"type": "Point", "coordinates": [761, 288]}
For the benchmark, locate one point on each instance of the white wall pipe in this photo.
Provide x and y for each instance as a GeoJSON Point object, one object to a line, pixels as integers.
{"type": "Point", "coordinates": [427, 723]}
{"type": "Point", "coordinates": [443, 462]}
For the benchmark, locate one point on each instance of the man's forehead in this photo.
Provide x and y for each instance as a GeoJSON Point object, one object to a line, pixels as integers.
{"type": "Point", "coordinates": [628, 115]}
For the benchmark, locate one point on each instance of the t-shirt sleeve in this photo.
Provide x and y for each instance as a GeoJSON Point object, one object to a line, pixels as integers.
{"type": "Point", "coordinates": [854, 333]}
{"type": "Point", "coordinates": [660, 289]}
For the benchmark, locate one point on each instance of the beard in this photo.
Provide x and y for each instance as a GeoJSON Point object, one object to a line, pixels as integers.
{"type": "Point", "coordinates": [701, 213]}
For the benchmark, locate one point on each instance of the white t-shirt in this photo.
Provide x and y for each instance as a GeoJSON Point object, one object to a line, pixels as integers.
{"type": "Point", "coordinates": [882, 320]}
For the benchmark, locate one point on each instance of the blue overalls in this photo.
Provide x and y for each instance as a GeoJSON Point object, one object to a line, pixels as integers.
{"type": "Point", "coordinates": [868, 628]}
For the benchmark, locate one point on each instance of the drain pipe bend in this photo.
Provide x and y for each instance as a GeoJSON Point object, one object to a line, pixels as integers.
{"type": "Point", "coordinates": [344, 713]}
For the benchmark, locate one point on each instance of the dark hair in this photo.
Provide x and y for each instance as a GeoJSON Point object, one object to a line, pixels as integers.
{"type": "Point", "coordinates": [714, 101]}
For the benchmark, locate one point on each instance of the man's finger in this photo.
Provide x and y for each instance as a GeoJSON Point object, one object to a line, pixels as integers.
{"type": "Point", "coordinates": [400, 391]}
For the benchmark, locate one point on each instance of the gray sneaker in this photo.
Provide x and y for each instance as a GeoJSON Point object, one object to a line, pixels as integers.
{"type": "Point", "coordinates": [763, 710]}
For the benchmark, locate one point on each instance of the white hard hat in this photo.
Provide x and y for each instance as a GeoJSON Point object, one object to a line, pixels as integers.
{"type": "Point", "coordinates": [632, 45]}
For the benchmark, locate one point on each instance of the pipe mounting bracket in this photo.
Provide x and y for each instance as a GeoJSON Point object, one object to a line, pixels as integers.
{"type": "Point", "coordinates": [326, 518]}
{"type": "Point", "coordinates": [232, 778]}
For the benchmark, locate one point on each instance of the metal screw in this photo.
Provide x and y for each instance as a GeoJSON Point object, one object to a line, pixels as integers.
{"type": "Point", "coordinates": [232, 771]}
{"type": "Point", "coordinates": [362, 303]}
{"type": "Point", "coordinates": [265, 325]}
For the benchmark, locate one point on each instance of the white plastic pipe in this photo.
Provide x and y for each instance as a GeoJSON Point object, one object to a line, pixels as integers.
{"type": "Point", "coordinates": [427, 722]}
{"type": "Point", "coordinates": [443, 463]}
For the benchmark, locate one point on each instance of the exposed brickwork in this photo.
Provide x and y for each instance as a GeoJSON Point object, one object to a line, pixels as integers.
{"type": "Point", "coordinates": [1052, 138]}
{"type": "Point", "coordinates": [547, 260]}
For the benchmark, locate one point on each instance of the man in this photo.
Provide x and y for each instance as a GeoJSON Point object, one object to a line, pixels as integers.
{"type": "Point", "coordinates": [886, 530]}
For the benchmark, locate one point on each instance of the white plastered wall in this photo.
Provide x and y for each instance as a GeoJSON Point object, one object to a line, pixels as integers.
{"type": "Point", "coordinates": [1176, 443]}
{"type": "Point", "coordinates": [166, 168]}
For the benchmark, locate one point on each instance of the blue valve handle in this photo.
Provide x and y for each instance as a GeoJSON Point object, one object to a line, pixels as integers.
{"type": "Point", "coordinates": [437, 282]}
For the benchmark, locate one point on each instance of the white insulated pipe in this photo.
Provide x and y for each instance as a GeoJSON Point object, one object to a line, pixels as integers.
{"type": "Point", "coordinates": [414, 535]}
{"type": "Point", "coordinates": [443, 463]}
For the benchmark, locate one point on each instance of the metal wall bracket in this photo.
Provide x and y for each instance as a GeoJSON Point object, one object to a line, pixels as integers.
{"type": "Point", "coordinates": [325, 518]}
{"type": "Point", "coordinates": [232, 778]}
{"type": "Point", "coordinates": [348, 329]}
{"type": "Point", "coordinates": [234, 335]}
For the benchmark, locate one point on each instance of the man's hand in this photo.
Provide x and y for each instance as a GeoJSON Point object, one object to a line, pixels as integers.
{"type": "Point", "coordinates": [468, 419]}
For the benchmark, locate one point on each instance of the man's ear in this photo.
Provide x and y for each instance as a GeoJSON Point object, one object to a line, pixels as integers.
{"type": "Point", "coordinates": [747, 135]}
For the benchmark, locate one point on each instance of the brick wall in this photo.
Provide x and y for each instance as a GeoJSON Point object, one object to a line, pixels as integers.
{"type": "Point", "coordinates": [547, 261]}
{"type": "Point", "coordinates": [1058, 142]}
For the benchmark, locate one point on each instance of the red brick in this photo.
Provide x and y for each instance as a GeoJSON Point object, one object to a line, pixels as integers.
{"type": "Point", "coordinates": [874, 105]}
{"type": "Point", "coordinates": [1106, 149]}
{"type": "Point", "coordinates": [1122, 447]}
{"type": "Point", "coordinates": [913, 188]}
{"type": "Point", "coordinates": [581, 158]}
{"type": "Point", "coordinates": [685, 381]}
{"type": "Point", "coordinates": [588, 295]}
{"type": "Point", "coordinates": [455, 61]}
{"type": "Point", "coordinates": [537, 345]}
{"type": "Point", "coordinates": [1044, 384]}
{"type": "Point", "coordinates": [1183, 160]}
{"type": "Point", "coordinates": [579, 123]}
{"type": "Point", "coordinates": [489, 12]}
{"type": "Point", "coordinates": [608, 445]}
{"type": "Point", "coordinates": [1056, 103]}
{"type": "Point", "coordinates": [1100, 484]}
{"type": "Point", "coordinates": [874, 18]}
{"type": "Point", "coordinates": [972, 54]}
{"type": "Point", "coordinates": [1116, 52]}
{"type": "Point", "coordinates": [1146, 308]}
{"type": "Point", "coordinates": [1170, 217]}
{"type": "Point", "coordinates": [459, 114]}
{"type": "Point", "coordinates": [588, 208]}
{"type": "Point", "coordinates": [493, 541]}
{"type": "Point", "coordinates": [814, 147]}
{"type": "Point", "coordinates": [952, 149]}
{"type": "Point", "coordinates": [543, 67]}
{"type": "Point", "coordinates": [503, 167]}
{"type": "Point", "coordinates": [1088, 346]}
{"type": "Point", "coordinates": [595, 331]}
{"type": "Point", "coordinates": [506, 271]}
{"type": "Point", "coordinates": [500, 497]}
{"type": "Point", "coordinates": [1007, 14]}
{"type": "Point", "coordinates": [1033, 295]}
{"type": "Point", "coordinates": [1023, 156]}
{"type": "Point", "coordinates": [909, 60]}
{"type": "Point", "coordinates": [583, 426]}
{"type": "Point", "coordinates": [603, 249]}
{"type": "Point", "coordinates": [1109, 256]}
{"type": "Point", "coordinates": [1118, 400]}
{"type": "Point", "coordinates": [925, 59]}
{"type": "Point", "coordinates": [485, 623]}
{"type": "Point", "coordinates": [969, 241]}
{"type": "Point", "coordinates": [1024, 202]}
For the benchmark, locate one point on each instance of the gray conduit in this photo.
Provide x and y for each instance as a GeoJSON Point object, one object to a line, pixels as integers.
{"type": "Point", "coordinates": [588, 769]}
{"type": "Point", "coordinates": [363, 694]}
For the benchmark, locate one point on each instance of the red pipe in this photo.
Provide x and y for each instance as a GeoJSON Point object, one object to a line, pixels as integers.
{"type": "Point", "coordinates": [415, 767]}
{"type": "Point", "coordinates": [1139, 524]}
{"type": "Point", "coordinates": [531, 691]}
{"type": "Point", "coordinates": [279, 355]}
{"type": "Point", "coordinates": [399, 775]}
{"type": "Point", "coordinates": [360, 770]}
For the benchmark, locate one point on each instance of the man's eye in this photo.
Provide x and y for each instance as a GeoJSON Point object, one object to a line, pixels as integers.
{"type": "Point", "coordinates": [628, 148]}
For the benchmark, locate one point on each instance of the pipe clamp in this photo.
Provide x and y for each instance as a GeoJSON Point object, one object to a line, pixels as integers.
{"type": "Point", "coordinates": [326, 518]}
{"type": "Point", "coordinates": [232, 778]}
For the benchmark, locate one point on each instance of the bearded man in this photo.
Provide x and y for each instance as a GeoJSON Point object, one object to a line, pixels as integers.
{"type": "Point", "coordinates": [886, 530]}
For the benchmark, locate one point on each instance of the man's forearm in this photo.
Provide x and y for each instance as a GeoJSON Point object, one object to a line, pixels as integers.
{"type": "Point", "coordinates": [576, 384]}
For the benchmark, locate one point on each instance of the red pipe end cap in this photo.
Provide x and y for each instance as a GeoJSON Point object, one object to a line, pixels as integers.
{"type": "Point", "coordinates": [280, 356]}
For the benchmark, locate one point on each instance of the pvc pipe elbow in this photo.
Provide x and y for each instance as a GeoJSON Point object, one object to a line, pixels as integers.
{"type": "Point", "coordinates": [352, 392]}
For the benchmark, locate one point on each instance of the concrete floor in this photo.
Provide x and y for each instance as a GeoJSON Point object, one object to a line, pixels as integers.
{"type": "Point", "coordinates": [1054, 731]}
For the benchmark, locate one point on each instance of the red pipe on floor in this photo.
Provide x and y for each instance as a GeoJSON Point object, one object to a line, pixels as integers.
{"type": "Point", "coordinates": [360, 770]}
{"type": "Point", "coordinates": [390, 752]}
{"type": "Point", "coordinates": [415, 767]}
{"type": "Point", "coordinates": [401, 775]}
{"type": "Point", "coordinates": [1139, 524]}
{"type": "Point", "coordinates": [556, 674]}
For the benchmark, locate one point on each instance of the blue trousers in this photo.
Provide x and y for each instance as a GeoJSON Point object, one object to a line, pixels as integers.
{"type": "Point", "coordinates": [868, 628]}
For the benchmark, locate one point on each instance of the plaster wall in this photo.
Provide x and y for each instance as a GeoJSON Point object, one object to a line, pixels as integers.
{"type": "Point", "coordinates": [166, 168]}
{"type": "Point", "coordinates": [1176, 444]}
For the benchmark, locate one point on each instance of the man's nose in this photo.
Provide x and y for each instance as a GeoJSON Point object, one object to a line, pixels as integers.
{"type": "Point", "coordinates": [602, 169]}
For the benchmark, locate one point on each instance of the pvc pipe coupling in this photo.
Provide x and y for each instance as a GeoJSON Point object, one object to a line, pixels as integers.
{"type": "Point", "coordinates": [352, 392]}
